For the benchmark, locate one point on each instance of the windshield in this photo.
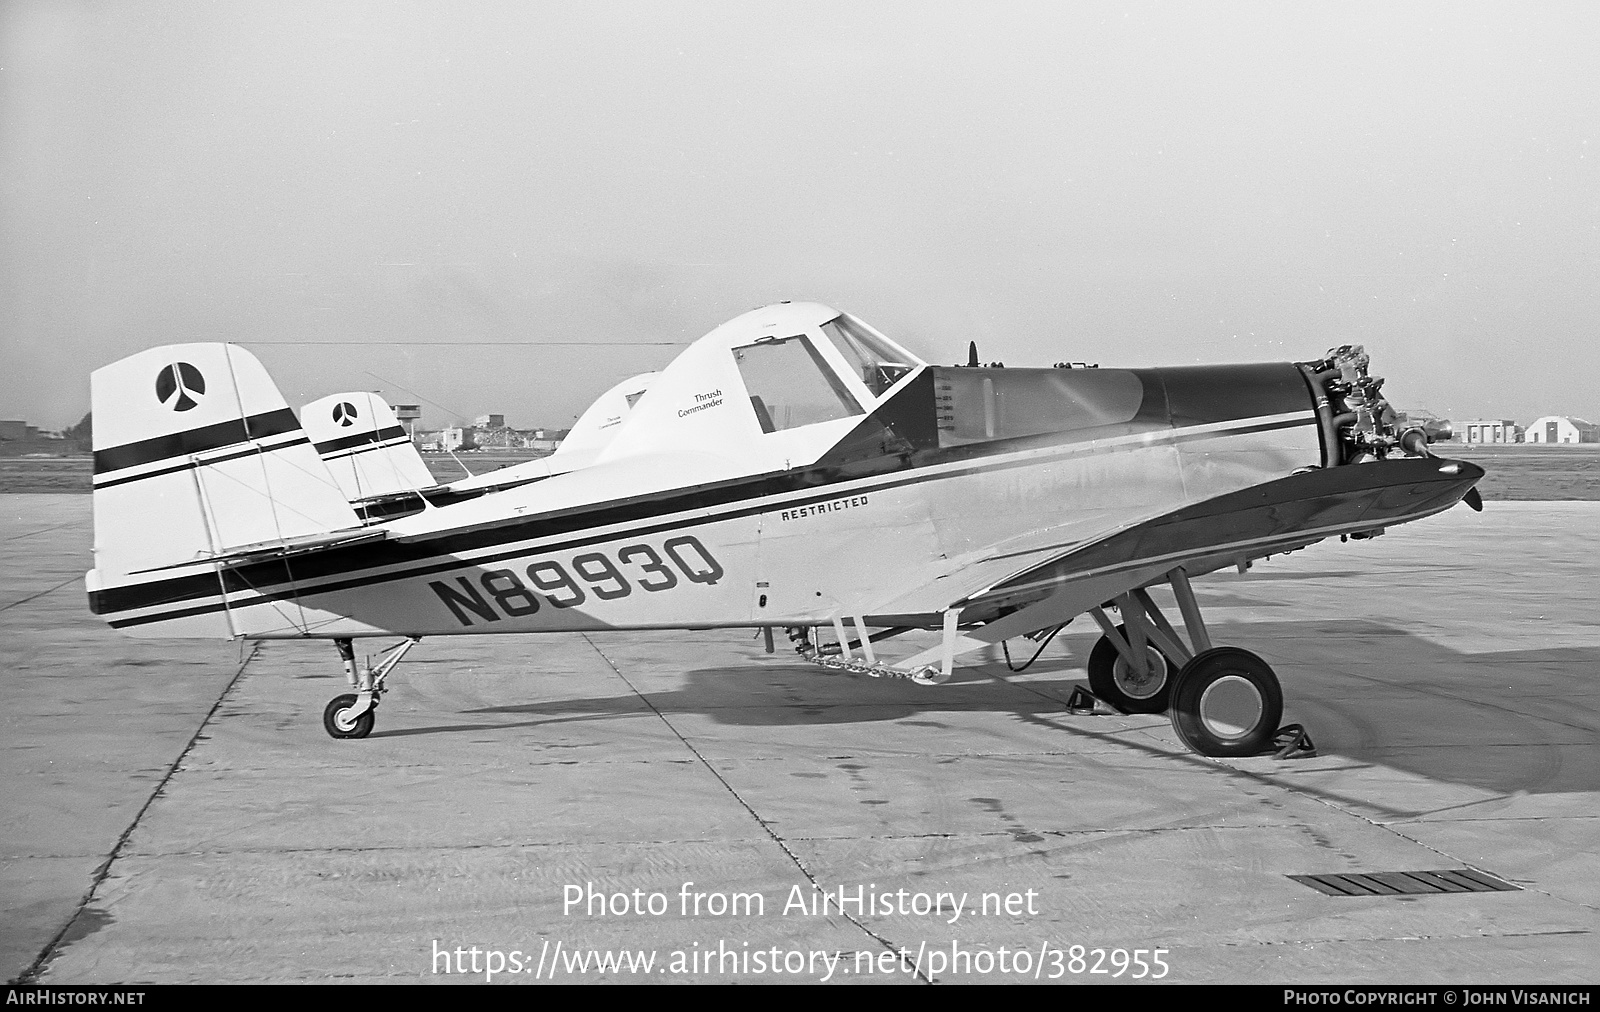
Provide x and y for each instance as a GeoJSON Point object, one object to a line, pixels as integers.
{"type": "Point", "coordinates": [790, 385]}
{"type": "Point", "coordinates": [878, 363]}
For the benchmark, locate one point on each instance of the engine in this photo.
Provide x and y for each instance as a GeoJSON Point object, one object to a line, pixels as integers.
{"type": "Point", "coordinates": [1358, 424]}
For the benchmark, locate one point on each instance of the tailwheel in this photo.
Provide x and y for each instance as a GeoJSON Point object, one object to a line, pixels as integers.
{"type": "Point", "coordinates": [1226, 702]}
{"type": "Point", "coordinates": [341, 719]}
{"type": "Point", "coordinates": [1116, 681]}
{"type": "Point", "coordinates": [351, 715]}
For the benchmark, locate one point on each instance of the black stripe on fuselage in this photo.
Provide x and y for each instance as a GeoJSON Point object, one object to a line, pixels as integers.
{"type": "Point", "coordinates": [248, 451]}
{"type": "Point", "coordinates": [196, 440]}
{"type": "Point", "coordinates": [345, 442]}
{"type": "Point", "coordinates": [441, 553]}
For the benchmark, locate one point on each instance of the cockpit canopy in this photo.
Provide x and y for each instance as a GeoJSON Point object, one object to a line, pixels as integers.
{"type": "Point", "coordinates": [878, 362]}
{"type": "Point", "coordinates": [790, 382]}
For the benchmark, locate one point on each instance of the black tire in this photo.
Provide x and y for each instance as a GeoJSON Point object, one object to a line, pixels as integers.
{"type": "Point", "coordinates": [1112, 680]}
{"type": "Point", "coordinates": [335, 724]}
{"type": "Point", "coordinates": [1226, 702]}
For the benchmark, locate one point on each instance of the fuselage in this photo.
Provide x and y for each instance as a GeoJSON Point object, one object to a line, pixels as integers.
{"type": "Point", "coordinates": [956, 480]}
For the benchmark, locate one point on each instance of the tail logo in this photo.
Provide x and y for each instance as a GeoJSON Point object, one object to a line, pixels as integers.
{"type": "Point", "coordinates": [180, 386]}
{"type": "Point", "coordinates": [344, 413]}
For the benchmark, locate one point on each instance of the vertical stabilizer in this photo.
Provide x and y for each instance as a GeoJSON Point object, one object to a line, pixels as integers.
{"type": "Point", "coordinates": [366, 449]}
{"type": "Point", "coordinates": [197, 454]}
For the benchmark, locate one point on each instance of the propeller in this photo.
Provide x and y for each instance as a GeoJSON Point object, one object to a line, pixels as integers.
{"type": "Point", "coordinates": [1415, 443]}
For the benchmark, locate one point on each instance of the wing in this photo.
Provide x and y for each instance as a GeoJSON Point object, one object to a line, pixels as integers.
{"type": "Point", "coordinates": [1078, 573]}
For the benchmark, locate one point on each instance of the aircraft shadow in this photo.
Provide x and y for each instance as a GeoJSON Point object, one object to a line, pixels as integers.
{"type": "Point", "coordinates": [1497, 721]}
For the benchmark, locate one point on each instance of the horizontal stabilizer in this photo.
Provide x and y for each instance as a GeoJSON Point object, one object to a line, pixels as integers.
{"type": "Point", "coordinates": [246, 554]}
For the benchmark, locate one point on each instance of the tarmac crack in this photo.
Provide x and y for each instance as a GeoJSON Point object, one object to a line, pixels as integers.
{"type": "Point", "coordinates": [1249, 943]}
{"type": "Point", "coordinates": [42, 530]}
{"type": "Point", "coordinates": [1428, 690]}
{"type": "Point", "coordinates": [765, 827]}
{"type": "Point", "coordinates": [1064, 834]}
{"type": "Point", "coordinates": [49, 952]}
{"type": "Point", "coordinates": [31, 597]}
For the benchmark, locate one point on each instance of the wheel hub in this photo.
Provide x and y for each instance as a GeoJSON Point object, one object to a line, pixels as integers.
{"type": "Point", "coordinates": [1141, 684]}
{"type": "Point", "coordinates": [1231, 707]}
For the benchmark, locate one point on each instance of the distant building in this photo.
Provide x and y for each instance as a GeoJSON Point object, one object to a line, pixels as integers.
{"type": "Point", "coordinates": [14, 430]}
{"type": "Point", "coordinates": [452, 438]}
{"type": "Point", "coordinates": [1491, 430]}
{"type": "Point", "coordinates": [1562, 429]}
{"type": "Point", "coordinates": [409, 416]}
{"type": "Point", "coordinates": [489, 422]}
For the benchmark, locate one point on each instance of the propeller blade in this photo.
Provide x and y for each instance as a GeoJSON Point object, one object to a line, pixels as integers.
{"type": "Point", "coordinates": [1473, 499]}
{"type": "Point", "coordinates": [972, 354]}
{"type": "Point", "coordinates": [1415, 443]}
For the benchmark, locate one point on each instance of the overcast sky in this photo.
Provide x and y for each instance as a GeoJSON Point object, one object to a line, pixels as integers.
{"type": "Point", "coordinates": [1127, 183]}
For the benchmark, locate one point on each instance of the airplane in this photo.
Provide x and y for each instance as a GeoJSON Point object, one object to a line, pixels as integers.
{"type": "Point", "coordinates": [792, 469]}
{"type": "Point", "coordinates": [382, 476]}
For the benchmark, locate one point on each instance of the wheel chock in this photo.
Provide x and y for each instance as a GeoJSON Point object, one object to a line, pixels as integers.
{"type": "Point", "coordinates": [1292, 741]}
{"type": "Point", "coordinates": [1082, 702]}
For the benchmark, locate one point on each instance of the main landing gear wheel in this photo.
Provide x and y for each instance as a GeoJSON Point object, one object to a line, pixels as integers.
{"type": "Point", "coordinates": [1226, 702]}
{"type": "Point", "coordinates": [337, 722]}
{"type": "Point", "coordinates": [1113, 679]}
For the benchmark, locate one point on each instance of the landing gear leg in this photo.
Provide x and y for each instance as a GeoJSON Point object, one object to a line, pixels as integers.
{"type": "Point", "coordinates": [351, 715]}
{"type": "Point", "coordinates": [1225, 701]}
{"type": "Point", "coordinates": [1133, 664]}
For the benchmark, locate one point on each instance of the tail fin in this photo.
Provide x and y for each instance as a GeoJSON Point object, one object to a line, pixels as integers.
{"type": "Point", "coordinates": [364, 446]}
{"type": "Point", "coordinates": [197, 454]}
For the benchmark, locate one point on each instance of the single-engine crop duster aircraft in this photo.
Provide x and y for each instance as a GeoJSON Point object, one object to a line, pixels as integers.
{"type": "Point", "coordinates": [793, 468]}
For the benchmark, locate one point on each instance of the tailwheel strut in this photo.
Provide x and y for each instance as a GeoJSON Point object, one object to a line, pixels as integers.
{"type": "Point", "coordinates": [351, 715]}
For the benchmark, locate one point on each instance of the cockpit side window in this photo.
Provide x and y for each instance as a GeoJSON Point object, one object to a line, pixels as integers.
{"type": "Point", "coordinates": [790, 385]}
{"type": "Point", "coordinates": [877, 363]}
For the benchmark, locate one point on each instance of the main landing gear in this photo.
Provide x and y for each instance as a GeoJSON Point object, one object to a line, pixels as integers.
{"type": "Point", "coordinates": [1223, 701]}
{"type": "Point", "coordinates": [351, 715]}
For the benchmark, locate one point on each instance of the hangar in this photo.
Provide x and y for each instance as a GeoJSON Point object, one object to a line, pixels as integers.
{"type": "Point", "coordinates": [1562, 429]}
